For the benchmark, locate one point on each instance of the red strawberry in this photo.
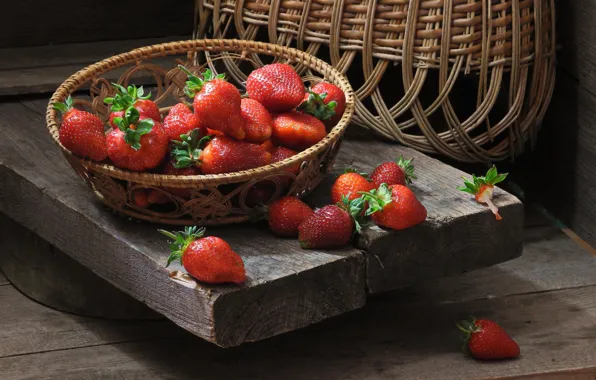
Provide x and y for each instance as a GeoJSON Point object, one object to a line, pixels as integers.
{"type": "Point", "coordinates": [214, 132]}
{"type": "Point", "coordinates": [297, 130]}
{"type": "Point", "coordinates": [276, 86]}
{"type": "Point", "coordinates": [268, 146]}
{"type": "Point", "coordinates": [329, 227]}
{"type": "Point", "coordinates": [216, 103]}
{"type": "Point", "coordinates": [326, 102]}
{"type": "Point", "coordinates": [208, 259]}
{"type": "Point", "coordinates": [280, 153]}
{"type": "Point", "coordinates": [257, 121]}
{"type": "Point", "coordinates": [400, 172]}
{"type": "Point", "coordinates": [170, 169]}
{"type": "Point", "coordinates": [181, 120]}
{"type": "Point", "coordinates": [487, 340]}
{"type": "Point", "coordinates": [260, 194]}
{"type": "Point", "coordinates": [483, 188]}
{"type": "Point", "coordinates": [349, 185]}
{"type": "Point", "coordinates": [395, 207]}
{"type": "Point", "coordinates": [81, 132]}
{"type": "Point", "coordinates": [286, 214]}
{"type": "Point", "coordinates": [131, 97]}
{"type": "Point", "coordinates": [157, 197]}
{"type": "Point", "coordinates": [138, 144]}
{"type": "Point", "coordinates": [139, 198]}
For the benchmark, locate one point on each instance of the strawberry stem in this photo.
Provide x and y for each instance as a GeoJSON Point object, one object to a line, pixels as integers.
{"type": "Point", "coordinates": [181, 240]}
{"type": "Point", "coordinates": [125, 97]}
{"type": "Point", "coordinates": [315, 105]}
{"type": "Point", "coordinates": [63, 108]}
{"type": "Point", "coordinates": [195, 84]}
{"type": "Point", "coordinates": [407, 167]}
{"type": "Point", "coordinates": [132, 136]}
{"type": "Point", "coordinates": [187, 151]}
{"type": "Point", "coordinates": [377, 199]}
{"type": "Point", "coordinates": [355, 209]}
{"type": "Point", "coordinates": [492, 177]}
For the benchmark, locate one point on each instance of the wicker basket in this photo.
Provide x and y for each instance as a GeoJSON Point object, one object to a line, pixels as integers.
{"type": "Point", "coordinates": [212, 199]}
{"type": "Point", "coordinates": [467, 79]}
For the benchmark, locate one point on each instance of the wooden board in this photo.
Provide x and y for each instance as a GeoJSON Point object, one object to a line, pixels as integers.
{"type": "Point", "coordinates": [3, 280]}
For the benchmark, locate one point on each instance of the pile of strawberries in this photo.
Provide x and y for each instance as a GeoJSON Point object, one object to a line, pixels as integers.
{"type": "Point", "coordinates": [223, 132]}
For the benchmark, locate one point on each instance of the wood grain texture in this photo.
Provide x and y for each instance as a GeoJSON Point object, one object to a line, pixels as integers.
{"type": "Point", "coordinates": [459, 235]}
{"type": "Point", "coordinates": [284, 291]}
{"type": "Point", "coordinates": [3, 280]}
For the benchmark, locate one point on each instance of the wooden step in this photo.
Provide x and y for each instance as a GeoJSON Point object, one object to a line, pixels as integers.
{"type": "Point", "coordinates": [288, 288]}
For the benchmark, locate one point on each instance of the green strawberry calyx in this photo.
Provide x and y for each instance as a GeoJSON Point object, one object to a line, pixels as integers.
{"type": "Point", "coordinates": [63, 108]}
{"type": "Point", "coordinates": [491, 178]}
{"type": "Point", "coordinates": [377, 199]}
{"type": "Point", "coordinates": [195, 84]}
{"type": "Point", "coordinates": [181, 240]}
{"type": "Point", "coordinates": [133, 128]}
{"type": "Point", "coordinates": [355, 209]}
{"type": "Point", "coordinates": [407, 167]}
{"type": "Point", "coordinates": [125, 97]}
{"type": "Point", "coordinates": [315, 106]}
{"type": "Point", "coordinates": [468, 328]}
{"type": "Point", "coordinates": [187, 151]}
{"type": "Point", "coordinates": [352, 169]}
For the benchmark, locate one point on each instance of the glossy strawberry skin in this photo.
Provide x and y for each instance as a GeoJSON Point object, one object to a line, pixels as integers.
{"type": "Point", "coordinates": [226, 155]}
{"type": "Point", "coordinates": [491, 342]}
{"type": "Point", "coordinates": [146, 108]}
{"type": "Point", "coordinates": [181, 120]}
{"type": "Point", "coordinates": [269, 146]}
{"type": "Point", "coordinates": [335, 94]}
{"type": "Point", "coordinates": [349, 184]}
{"type": "Point", "coordinates": [154, 147]}
{"type": "Point", "coordinates": [217, 106]}
{"type": "Point", "coordinates": [276, 86]}
{"type": "Point", "coordinates": [280, 153]}
{"type": "Point", "coordinates": [286, 214]}
{"type": "Point", "coordinates": [328, 227]}
{"type": "Point", "coordinates": [257, 121]}
{"type": "Point", "coordinates": [404, 211]}
{"type": "Point", "coordinates": [297, 130]}
{"type": "Point", "coordinates": [389, 173]}
{"type": "Point", "coordinates": [82, 133]}
{"type": "Point", "coordinates": [212, 260]}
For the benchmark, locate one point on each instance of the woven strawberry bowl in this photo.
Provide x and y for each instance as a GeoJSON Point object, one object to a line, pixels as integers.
{"type": "Point", "coordinates": [161, 137]}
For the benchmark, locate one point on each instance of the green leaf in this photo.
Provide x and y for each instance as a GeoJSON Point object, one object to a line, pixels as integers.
{"type": "Point", "coordinates": [119, 88]}
{"type": "Point", "coordinates": [108, 100]}
{"type": "Point", "coordinates": [60, 107]}
{"type": "Point", "coordinates": [140, 92]}
{"type": "Point", "coordinates": [220, 76]}
{"type": "Point", "coordinates": [132, 115]}
{"type": "Point", "coordinates": [144, 126]}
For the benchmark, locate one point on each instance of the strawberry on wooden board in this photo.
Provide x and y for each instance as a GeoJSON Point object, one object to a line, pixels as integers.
{"type": "Point", "coordinates": [257, 121]}
{"type": "Point", "coordinates": [138, 144]}
{"type": "Point", "coordinates": [297, 130]}
{"type": "Point", "coordinates": [350, 185]}
{"type": "Point", "coordinates": [286, 214]}
{"type": "Point", "coordinates": [131, 97]}
{"type": "Point", "coordinates": [276, 86]}
{"type": "Point", "coordinates": [486, 340]}
{"type": "Point", "coordinates": [326, 102]}
{"type": "Point", "coordinates": [394, 207]}
{"type": "Point", "coordinates": [181, 120]}
{"type": "Point", "coordinates": [483, 188]}
{"type": "Point", "coordinates": [216, 103]}
{"type": "Point", "coordinates": [400, 172]}
{"type": "Point", "coordinates": [81, 132]}
{"type": "Point", "coordinates": [208, 259]}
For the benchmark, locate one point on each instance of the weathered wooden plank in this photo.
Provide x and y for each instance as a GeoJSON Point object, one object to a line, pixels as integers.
{"type": "Point", "coordinates": [284, 291]}
{"type": "Point", "coordinates": [3, 280]}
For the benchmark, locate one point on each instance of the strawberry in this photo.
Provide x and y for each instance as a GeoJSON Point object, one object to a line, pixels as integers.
{"type": "Point", "coordinates": [349, 184]}
{"type": "Point", "coordinates": [325, 101]}
{"type": "Point", "coordinates": [131, 97]}
{"type": "Point", "coordinates": [280, 153]}
{"type": "Point", "coordinates": [483, 188]}
{"type": "Point", "coordinates": [331, 226]}
{"type": "Point", "coordinates": [286, 214]}
{"type": "Point", "coordinates": [181, 120]}
{"type": "Point", "coordinates": [297, 130]}
{"type": "Point", "coordinates": [259, 194]}
{"type": "Point", "coordinates": [157, 197]}
{"type": "Point", "coordinates": [170, 169]}
{"type": "Point", "coordinates": [138, 144]}
{"type": "Point", "coordinates": [400, 172]}
{"type": "Point", "coordinates": [139, 197]}
{"type": "Point", "coordinates": [214, 132]}
{"type": "Point", "coordinates": [217, 103]}
{"type": "Point", "coordinates": [487, 340]}
{"type": "Point", "coordinates": [81, 132]}
{"type": "Point", "coordinates": [276, 86]}
{"type": "Point", "coordinates": [257, 121]}
{"type": "Point", "coordinates": [394, 207]}
{"type": "Point", "coordinates": [208, 259]}
{"type": "Point", "coordinates": [268, 146]}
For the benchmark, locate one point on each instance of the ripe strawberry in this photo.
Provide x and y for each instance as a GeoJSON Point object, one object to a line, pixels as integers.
{"type": "Point", "coordinates": [208, 259]}
{"type": "Point", "coordinates": [276, 86]}
{"type": "Point", "coordinates": [268, 146]}
{"type": "Point", "coordinates": [81, 132]}
{"type": "Point", "coordinates": [483, 188]}
{"type": "Point", "coordinates": [286, 214]}
{"type": "Point", "coordinates": [297, 130]}
{"type": "Point", "coordinates": [157, 197]}
{"type": "Point", "coordinates": [257, 121]}
{"type": "Point", "coordinates": [349, 185]}
{"type": "Point", "coordinates": [487, 340]}
{"type": "Point", "coordinates": [325, 101]}
{"type": "Point", "coordinates": [216, 103]}
{"type": "Point", "coordinates": [280, 153]}
{"type": "Point", "coordinates": [131, 97]}
{"type": "Point", "coordinates": [214, 132]}
{"type": "Point", "coordinates": [138, 144]}
{"type": "Point", "coordinates": [400, 172]}
{"type": "Point", "coordinates": [260, 194]}
{"type": "Point", "coordinates": [181, 120]}
{"type": "Point", "coordinates": [394, 207]}
{"type": "Point", "coordinates": [139, 197]}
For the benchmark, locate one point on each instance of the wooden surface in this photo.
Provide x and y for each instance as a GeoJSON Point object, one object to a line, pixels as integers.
{"type": "Point", "coordinates": [407, 334]}
{"type": "Point", "coordinates": [288, 288]}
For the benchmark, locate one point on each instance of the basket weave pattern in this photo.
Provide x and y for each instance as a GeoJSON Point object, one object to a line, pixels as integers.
{"type": "Point", "coordinates": [502, 49]}
{"type": "Point", "coordinates": [207, 199]}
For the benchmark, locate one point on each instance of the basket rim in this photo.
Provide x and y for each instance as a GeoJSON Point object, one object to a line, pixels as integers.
{"type": "Point", "coordinates": [88, 73]}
